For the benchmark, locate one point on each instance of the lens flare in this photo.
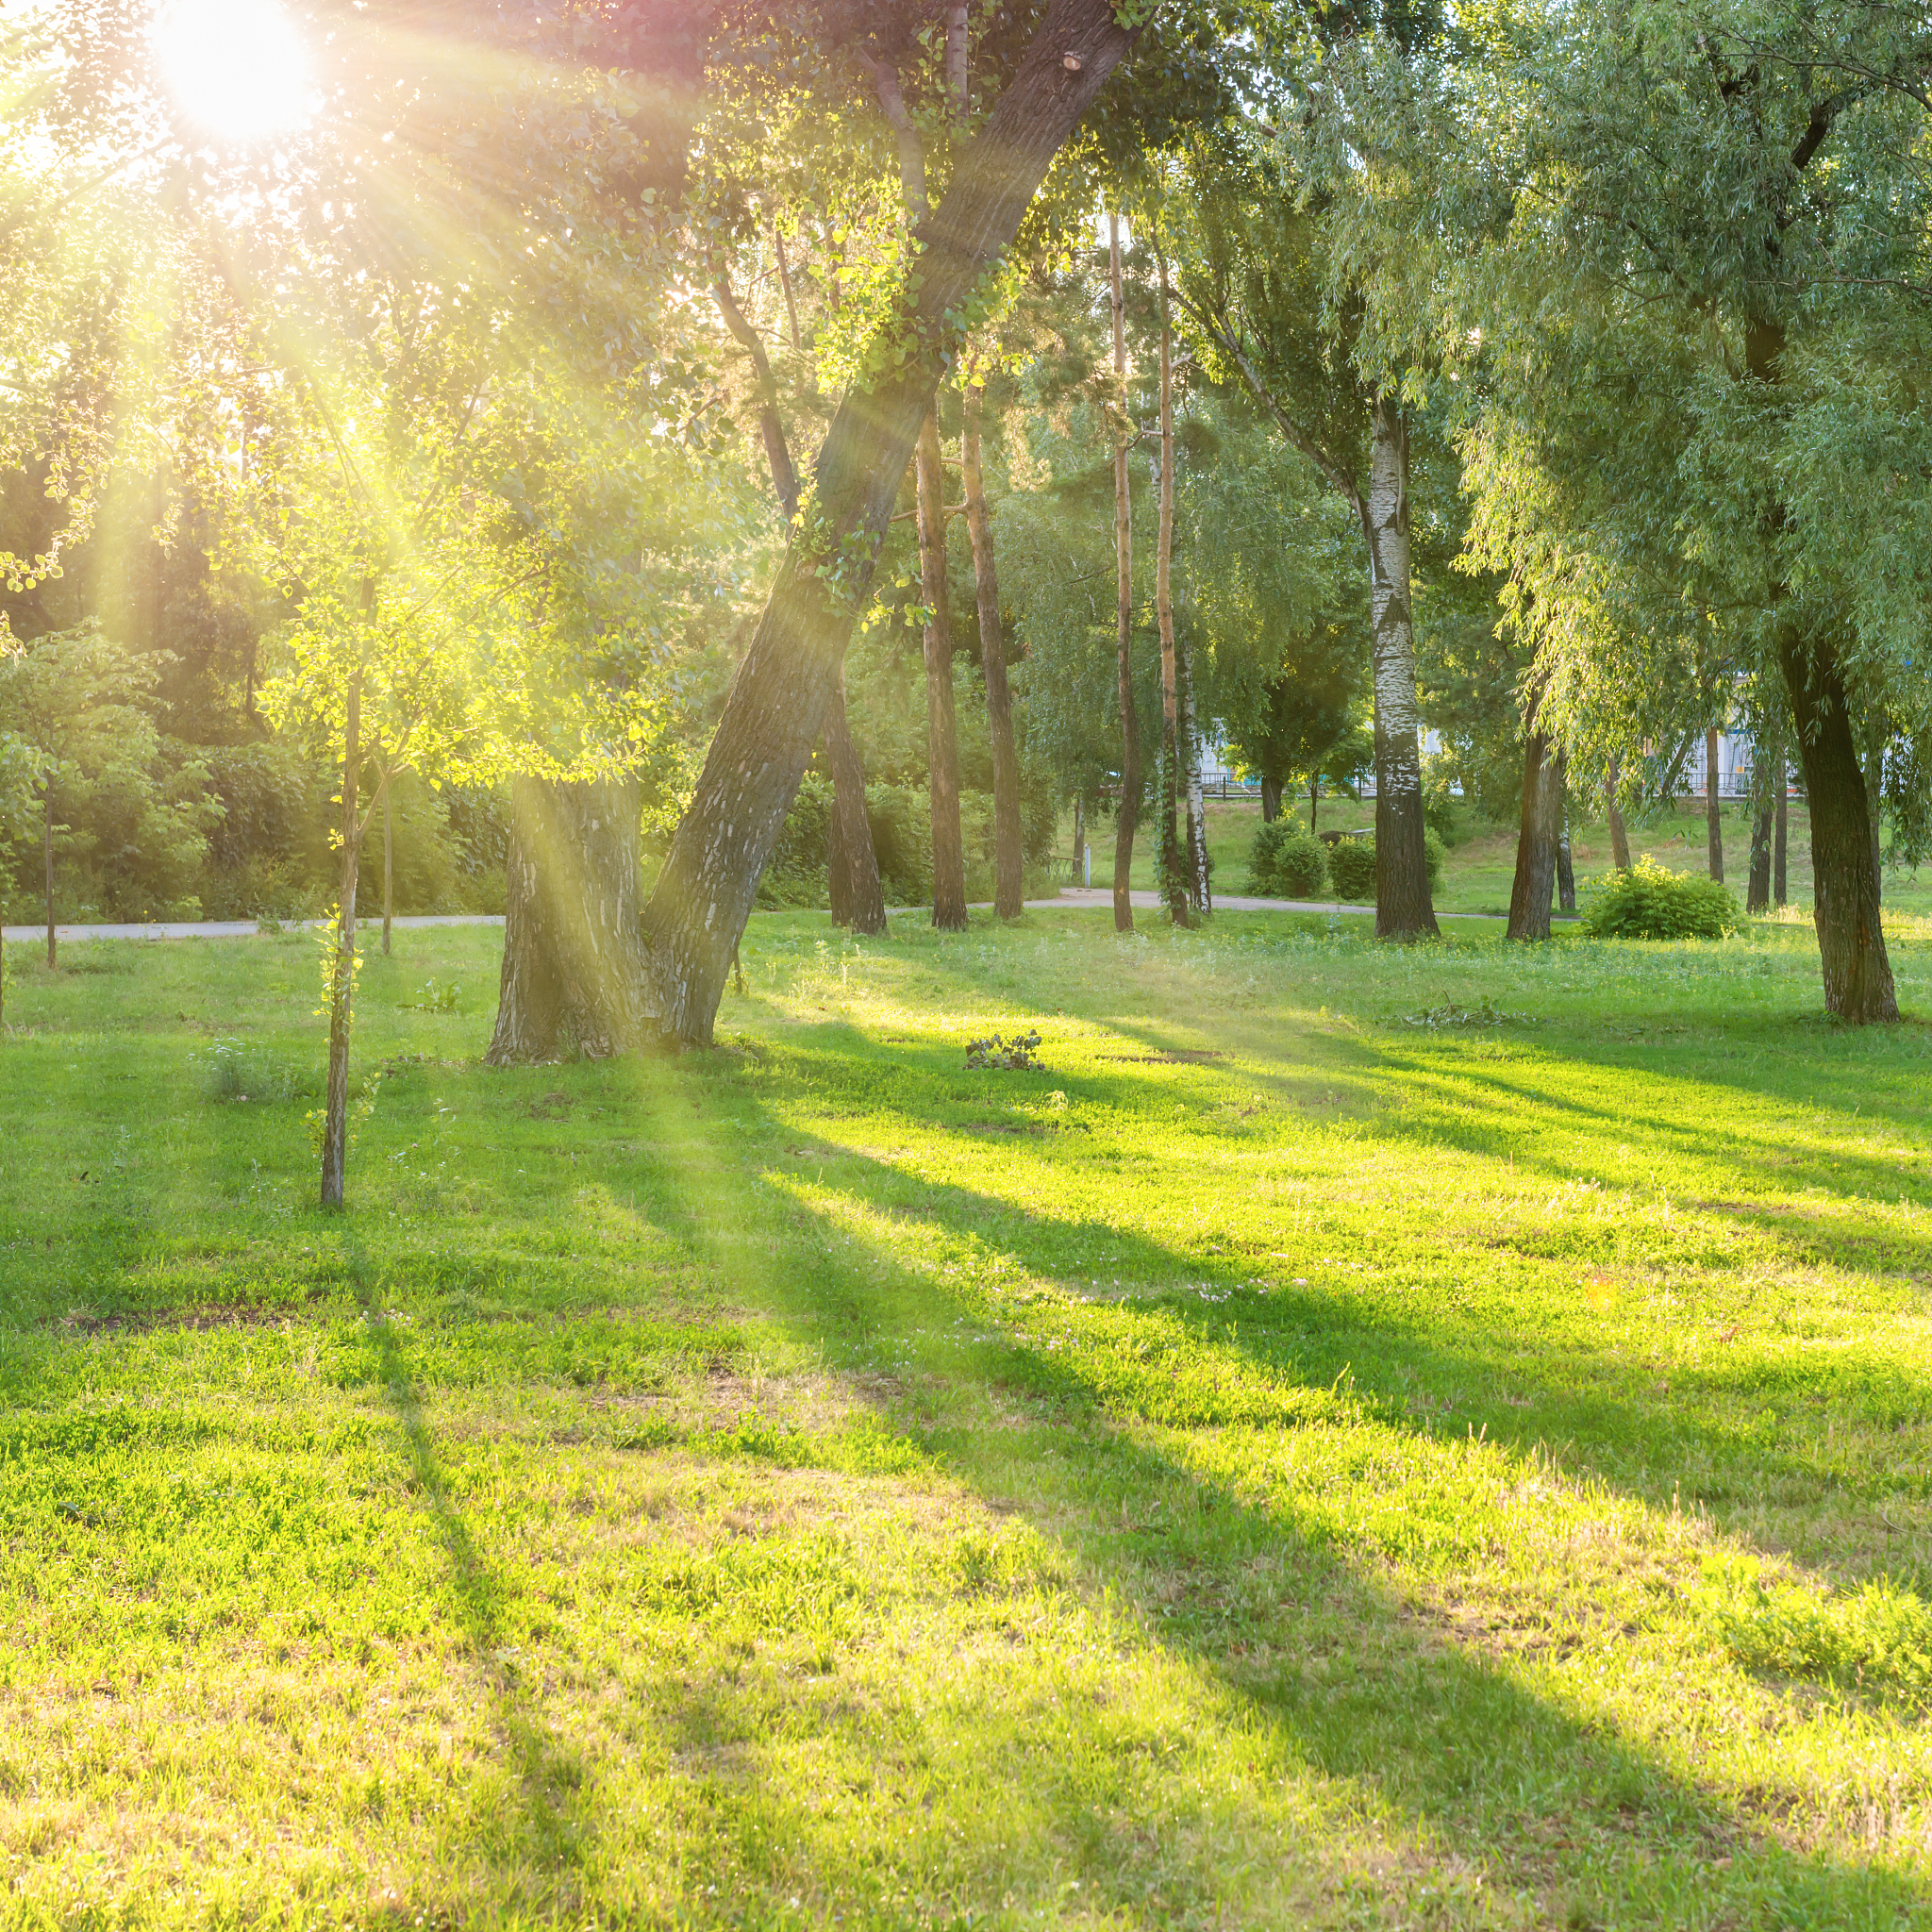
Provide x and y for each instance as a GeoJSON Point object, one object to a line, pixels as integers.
{"type": "Point", "coordinates": [235, 67]}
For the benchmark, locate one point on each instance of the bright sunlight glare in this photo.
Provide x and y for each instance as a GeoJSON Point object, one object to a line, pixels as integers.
{"type": "Point", "coordinates": [235, 67]}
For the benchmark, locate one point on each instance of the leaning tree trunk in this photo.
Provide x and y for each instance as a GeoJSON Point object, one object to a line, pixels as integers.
{"type": "Point", "coordinates": [1174, 878]}
{"type": "Point", "coordinates": [941, 738]}
{"type": "Point", "coordinates": [1851, 938]}
{"type": "Point", "coordinates": [858, 898]}
{"type": "Point", "coordinates": [1534, 885]}
{"type": "Point", "coordinates": [1403, 910]}
{"type": "Point", "coordinates": [1007, 837]}
{"type": "Point", "coordinates": [1129, 809]}
{"type": "Point", "coordinates": [575, 976]}
{"type": "Point", "coordinates": [778, 693]}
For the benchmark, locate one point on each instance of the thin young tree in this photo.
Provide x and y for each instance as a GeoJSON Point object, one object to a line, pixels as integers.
{"type": "Point", "coordinates": [1127, 810]}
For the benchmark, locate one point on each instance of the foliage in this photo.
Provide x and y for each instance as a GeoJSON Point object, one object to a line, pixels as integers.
{"type": "Point", "coordinates": [1286, 862]}
{"type": "Point", "coordinates": [1352, 869]}
{"type": "Point", "coordinates": [1651, 902]}
{"type": "Point", "coordinates": [997, 1053]}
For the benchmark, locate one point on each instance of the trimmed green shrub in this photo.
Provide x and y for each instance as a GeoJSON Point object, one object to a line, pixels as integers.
{"type": "Point", "coordinates": [1284, 863]}
{"type": "Point", "coordinates": [1650, 902]}
{"type": "Point", "coordinates": [1352, 868]}
{"type": "Point", "coordinates": [1434, 850]}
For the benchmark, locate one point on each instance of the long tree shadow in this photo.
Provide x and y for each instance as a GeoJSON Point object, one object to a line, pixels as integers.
{"type": "Point", "coordinates": [1455, 1742]}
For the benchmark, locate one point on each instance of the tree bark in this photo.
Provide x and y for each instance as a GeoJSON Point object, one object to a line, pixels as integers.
{"type": "Point", "coordinates": [341, 980]}
{"type": "Point", "coordinates": [1780, 825]}
{"type": "Point", "coordinates": [1200, 878]}
{"type": "Point", "coordinates": [574, 977]}
{"type": "Point", "coordinates": [1620, 840]}
{"type": "Point", "coordinates": [1129, 808]}
{"type": "Point", "coordinates": [1009, 854]}
{"type": "Point", "coordinates": [1874, 793]}
{"type": "Point", "coordinates": [1314, 793]}
{"type": "Point", "coordinates": [1757, 891]}
{"type": "Point", "coordinates": [1851, 937]}
{"type": "Point", "coordinates": [858, 898]}
{"type": "Point", "coordinates": [47, 846]}
{"type": "Point", "coordinates": [1403, 910]}
{"type": "Point", "coordinates": [1534, 885]}
{"type": "Point", "coordinates": [1174, 870]}
{"type": "Point", "coordinates": [1271, 799]}
{"type": "Point", "coordinates": [942, 740]}
{"type": "Point", "coordinates": [778, 694]}
{"type": "Point", "coordinates": [1713, 810]}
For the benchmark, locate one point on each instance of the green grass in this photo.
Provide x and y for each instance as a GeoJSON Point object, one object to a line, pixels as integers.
{"type": "Point", "coordinates": [1291, 1463]}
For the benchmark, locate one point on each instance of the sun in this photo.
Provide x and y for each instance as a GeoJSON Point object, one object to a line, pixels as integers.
{"type": "Point", "coordinates": [235, 67]}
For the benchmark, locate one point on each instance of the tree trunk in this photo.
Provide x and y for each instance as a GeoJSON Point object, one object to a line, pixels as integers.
{"type": "Point", "coordinates": [1201, 881]}
{"type": "Point", "coordinates": [1403, 910]}
{"type": "Point", "coordinates": [777, 698]}
{"type": "Point", "coordinates": [785, 286]}
{"type": "Point", "coordinates": [1565, 872]}
{"type": "Point", "coordinates": [941, 742]}
{"type": "Point", "coordinates": [1780, 825]}
{"type": "Point", "coordinates": [1757, 891]}
{"type": "Point", "coordinates": [1124, 614]}
{"type": "Point", "coordinates": [858, 898]}
{"type": "Point", "coordinates": [341, 979]}
{"type": "Point", "coordinates": [574, 976]}
{"type": "Point", "coordinates": [1173, 877]}
{"type": "Point", "coordinates": [1713, 812]}
{"type": "Point", "coordinates": [1008, 853]}
{"type": "Point", "coordinates": [389, 866]}
{"type": "Point", "coordinates": [1534, 886]}
{"type": "Point", "coordinates": [1874, 793]}
{"type": "Point", "coordinates": [1080, 868]}
{"type": "Point", "coordinates": [1851, 938]}
{"type": "Point", "coordinates": [1314, 792]}
{"type": "Point", "coordinates": [1271, 799]}
{"type": "Point", "coordinates": [47, 844]}
{"type": "Point", "coordinates": [1620, 841]}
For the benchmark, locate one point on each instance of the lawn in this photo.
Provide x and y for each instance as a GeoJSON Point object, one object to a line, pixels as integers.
{"type": "Point", "coordinates": [1477, 870]}
{"type": "Point", "coordinates": [1365, 1438]}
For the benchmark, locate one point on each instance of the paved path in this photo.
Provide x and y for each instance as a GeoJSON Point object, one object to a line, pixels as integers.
{"type": "Point", "coordinates": [1074, 898]}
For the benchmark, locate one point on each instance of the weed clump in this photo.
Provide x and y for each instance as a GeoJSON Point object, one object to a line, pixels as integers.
{"type": "Point", "coordinates": [998, 1054]}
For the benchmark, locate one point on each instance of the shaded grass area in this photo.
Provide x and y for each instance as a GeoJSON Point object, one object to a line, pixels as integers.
{"type": "Point", "coordinates": [1288, 1463]}
{"type": "Point", "coordinates": [1477, 870]}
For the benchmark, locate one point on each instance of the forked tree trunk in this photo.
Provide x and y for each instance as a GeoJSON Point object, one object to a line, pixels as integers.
{"type": "Point", "coordinates": [1271, 799]}
{"type": "Point", "coordinates": [778, 693]}
{"type": "Point", "coordinates": [1403, 910]}
{"type": "Point", "coordinates": [1129, 809]}
{"type": "Point", "coordinates": [341, 978]}
{"type": "Point", "coordinates": [859, 897]}
{"type": "Point", "coordinates": [1007, 837]}
{"type": "Point", "coordinates": [1851, 938]}
{"type": "Point", "coordinates": [1713, 810]}
{"type": "Point", "coordinates": [574, 976]}
{"type": "Point", "coordinates": [1534, 885]}
{"type": "Point", "coordinates": [941, 738]}
{"type": "Point", "coordinates": [1174, 870]}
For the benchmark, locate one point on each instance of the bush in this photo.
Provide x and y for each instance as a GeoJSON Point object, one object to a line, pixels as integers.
{"type": "Point", "coordinates": [1650, 902]}
{"type": "Point", "coordinates": [1435, 848]}
{"type": "Point", "coordinates": [1284, 863]}
{"type": "Point", "coordinates": [1352, 869]}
